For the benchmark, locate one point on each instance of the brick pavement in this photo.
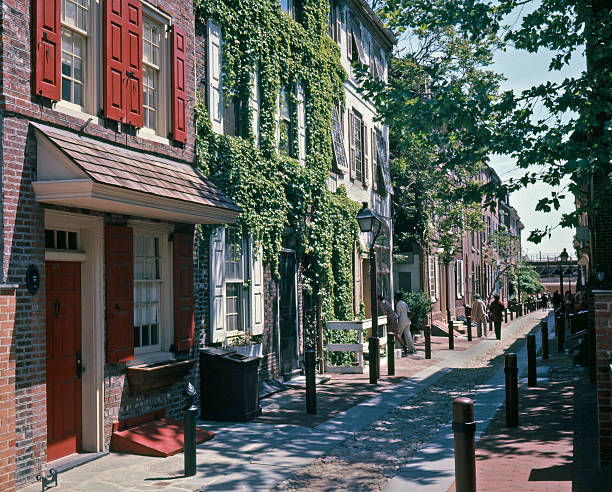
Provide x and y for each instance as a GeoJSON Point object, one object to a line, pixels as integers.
{"type": "Point", "coordinates": [347, 390]}
{"type": "Point", "coordinates": [554, 447]}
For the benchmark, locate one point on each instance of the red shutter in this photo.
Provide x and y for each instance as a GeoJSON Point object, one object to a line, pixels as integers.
{"type": "Point", "coordinates": [179, 110]}
{"type": "Point", "coordinates": [47, 49]}
{"type": "Point", "coordinates": [133, 57]}
{"type": "Point", "coordinates": [183, 292]}
{"type": "Point", "coordinates": [119, 294]}
{"type": "Point", "coordinates": [123, 61]}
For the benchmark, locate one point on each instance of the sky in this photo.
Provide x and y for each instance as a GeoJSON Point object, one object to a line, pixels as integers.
{"type": "Point", "coordinates": [523, 70]}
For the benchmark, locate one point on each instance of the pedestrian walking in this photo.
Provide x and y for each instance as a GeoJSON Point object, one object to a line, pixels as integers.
{"type": "Point", "coordinates": [404, 320]}
{"type": "Point", "coordinates": [556, 300]}
{"type": "Point", "coordinates": [392, 324]}
{"type": "Point", "coordinates": [497, 308]}
{"type": "Point", "coordinates": [479, 313]}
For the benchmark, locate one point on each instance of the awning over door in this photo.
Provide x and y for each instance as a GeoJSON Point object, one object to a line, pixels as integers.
{"type": "Point", "coordinates": [78, 171]}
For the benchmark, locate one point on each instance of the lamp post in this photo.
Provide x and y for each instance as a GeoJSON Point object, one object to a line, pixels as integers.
{"type": "Point", "coordinates": [563, 257]}
{"type": "Point", "coordinates": [369, 222]}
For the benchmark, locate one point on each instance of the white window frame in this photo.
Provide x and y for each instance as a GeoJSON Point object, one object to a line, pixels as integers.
{"type": "Point", "coordinates": [90, 82]}
{"type": "Point", "coordinates": [153, 16]}
{"type": "Point", "coordinates": [431, 274]}
{"type": "Point", "coordinates": [288, 8]}
{"type": "Point", "coordinates": [460, 280]}
{"type": "Point", "coordinates": [244, 291]}
{"type": "Point", "coordinates": [166, 314]}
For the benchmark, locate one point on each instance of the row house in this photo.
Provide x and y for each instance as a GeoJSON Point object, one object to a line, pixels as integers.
{"type": "Point", "coordinates": [244, 298]}
{"type": "Point", "coordinates": [361, 145]}
{"type": "Point", "coordinates": [479, 266]}
{"type": "Point", "coordinates": [99, 202]}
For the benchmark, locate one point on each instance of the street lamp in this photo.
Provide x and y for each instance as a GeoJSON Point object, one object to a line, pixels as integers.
{"type": "Point", "coordinates": [369, 222]}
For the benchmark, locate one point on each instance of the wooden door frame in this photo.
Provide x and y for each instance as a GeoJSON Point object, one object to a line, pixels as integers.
{"type": "Point", "coordinates": [90, 255]}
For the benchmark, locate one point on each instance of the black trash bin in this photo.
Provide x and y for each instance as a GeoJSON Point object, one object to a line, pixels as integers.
{"type": "Point", "coordinates": [228, 385]}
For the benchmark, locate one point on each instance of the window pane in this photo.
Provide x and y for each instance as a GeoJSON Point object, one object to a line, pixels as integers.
{"type": "Point", "coordinates": [72, 240]}
{"type": "Point", "coordinates": [145, 336]}
{"type": "Point", "coordinates": [136, 336]}
{"type": "Point", "coordinates": [154, 335]}
{"type": "Point", "coordinates": [61, 240]}
{"type": "Point", "coordinates": [78, 94]}
{"type": "Point", "coordinates": [69, 13]}
{"type": "Point", "coordinates": [49, 239]}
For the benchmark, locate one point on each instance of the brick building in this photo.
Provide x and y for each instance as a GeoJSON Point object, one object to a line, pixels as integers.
{"type": "Point", "coordinates": [99, 205]}
{"type": "Point", "coordinates": [480, 265]}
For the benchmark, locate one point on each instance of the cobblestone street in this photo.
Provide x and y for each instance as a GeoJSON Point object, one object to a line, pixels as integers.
{"type": "Point", "coordinates": [370, 458]}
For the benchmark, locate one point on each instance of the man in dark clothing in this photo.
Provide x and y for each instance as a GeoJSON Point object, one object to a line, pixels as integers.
{"type": "Point", "coordinates": [556, 300]}
{"type": "Point", "coordinates": [497, 309]}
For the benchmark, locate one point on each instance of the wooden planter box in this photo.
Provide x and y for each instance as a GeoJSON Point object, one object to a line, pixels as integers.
{"type": "Point", "coordinates": [151, 376]}
{"type": "Point", "coordinates": [253, 350]}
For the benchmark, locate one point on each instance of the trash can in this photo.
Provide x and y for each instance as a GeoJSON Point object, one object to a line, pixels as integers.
{"type": "Point", "coordinates": [228, 385]}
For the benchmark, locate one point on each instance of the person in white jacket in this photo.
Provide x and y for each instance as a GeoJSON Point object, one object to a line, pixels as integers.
{"type": "Point", "coordinates": [479, 313]}
{"type": "Point", "coordinates": [404, 315]}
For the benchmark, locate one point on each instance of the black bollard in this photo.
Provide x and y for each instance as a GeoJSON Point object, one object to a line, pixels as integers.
{"type": "Point", "coordinates": [511, 315]}
{"type": "Point", "coordinates": [560, 331]}
{"type": "Point", "coordinates": [451, 335]}
{"type": "Point", "coordinates": [373, 351]}
{"type": "Point", "coordinates": [544, 339]}
{"type": "Point", "coordinates": [506, 315]}
{"type": "Point", "coordinates": [532, 375]}
{"type": "Point", "coordinates": [311, 382]}
{"type": "Point", "coordinates": [427, 342]}
{"type": "Point", "coordinates": [464, 429]}
{"type": "Point", "coordinates": [190, 414]}
{"type": "Point", "coordinates": [511, 371]}
{"type": "Point", "coordinates": [468, 320]}
{"type": "Point", "coordinates": [391, 354]}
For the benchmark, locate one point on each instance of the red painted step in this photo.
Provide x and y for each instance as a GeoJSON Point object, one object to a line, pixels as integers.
{"type": "Point", "coordinates": [159, 437]}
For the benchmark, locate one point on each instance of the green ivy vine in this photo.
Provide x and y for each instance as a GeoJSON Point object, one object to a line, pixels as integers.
{"type": "Point", "coordinates": [277, 191]}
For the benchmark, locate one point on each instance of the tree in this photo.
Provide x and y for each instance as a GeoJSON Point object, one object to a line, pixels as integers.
{"type": "Point", "coordinates": [438, 104]}
{"type": "Point", "coordinates": [573, 139]}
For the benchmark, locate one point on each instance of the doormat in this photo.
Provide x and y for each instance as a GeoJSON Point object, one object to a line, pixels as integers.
{"type": "Point", "coordinates": [161, 437]}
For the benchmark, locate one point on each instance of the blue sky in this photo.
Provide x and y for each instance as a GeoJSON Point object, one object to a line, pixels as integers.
{"type": "Point", "coordinates": [523, 70]}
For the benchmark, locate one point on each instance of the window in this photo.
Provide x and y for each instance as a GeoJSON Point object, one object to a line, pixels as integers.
{"type": "Point", "coordinates": [75, 34]}
{"type": "Point", "coordinates": [235, 302]}
{"type": "Point", "coordinates": [284, 145]}
{"type": "Point", "coordinates": [405, 281]}
{"type": "Point", "coordinates": [460, 280]}
{"type": "Point", "coordinates": [334, 28]}
{"type": "Point", "coordinates": [431, 273]}
{"type": "Point", "coordinates": [289, 7]}
{"type": "Point", "coordinates": [147, 293]}
{"type": "Point", "coordinates": [151, 64]}
{"type": "Point", "coordinates": [357, 129]}
{"type": "Point", "coordinates": [55, 239]}
{"type": "Point", "coordinates": [231, 116]}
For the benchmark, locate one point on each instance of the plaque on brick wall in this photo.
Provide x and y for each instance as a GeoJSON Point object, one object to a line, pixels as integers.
{"type": "Point", "coordinates": [32, 279]}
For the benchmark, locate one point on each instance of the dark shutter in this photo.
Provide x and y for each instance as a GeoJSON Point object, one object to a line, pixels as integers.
{"type": "Point", "coordinates": [123, 61]}
{"type": "Point", "coordinates": [47, 49]}
{"type": "Point", "coordinates": [133, 45]}
{"type": "Point", "coordinates": [183, 292]}
{"type": "Point", "coordinates": [119, 294]}
{"type": "Point", "coordinates": [179, 111]}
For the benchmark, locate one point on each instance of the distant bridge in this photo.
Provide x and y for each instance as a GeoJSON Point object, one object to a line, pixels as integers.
{"type": "Point", "coordinates": [549, 268]}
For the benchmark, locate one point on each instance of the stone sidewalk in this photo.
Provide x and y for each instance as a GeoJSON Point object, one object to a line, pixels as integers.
{"type": "Point", "coordinates": [284, 442]}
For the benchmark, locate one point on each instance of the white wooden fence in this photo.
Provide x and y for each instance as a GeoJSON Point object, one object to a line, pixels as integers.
{"type": "Point", "coordinates": [362, 327]}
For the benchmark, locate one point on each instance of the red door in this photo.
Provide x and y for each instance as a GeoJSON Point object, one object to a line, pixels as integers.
{"type": "Point", "coordinates": [63, 358]}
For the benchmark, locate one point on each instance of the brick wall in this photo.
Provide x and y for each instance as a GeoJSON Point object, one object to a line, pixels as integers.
{"type": "Point", "coordinates": [603, 332]}
{"type": "Point", "coordinates": [268, 368]}
{"type": "Point", "coordinates": [7, 389]}
{"type": "Point", "coordinates": [24, 245]}
{"type": "Point", "coordinates": [16, 76]}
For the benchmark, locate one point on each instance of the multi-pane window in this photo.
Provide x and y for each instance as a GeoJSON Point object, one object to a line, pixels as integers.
{"type": "Point", "coordinates": [75, 33]}
{"type": "Point", "coordinates": [151, 64]}
{"type": "Point", "coordinates": [357, 141]}
{"type": "Point", "coordinates": [289, 7]}
{"type": "Point", "coordinates": [234, 281]}
{"type": "Point", "coordinates": [147, 293]}
{"type": "Point", "coordinates": [284, 145]}
{"type": "Point", "coordinates": [56, 239]}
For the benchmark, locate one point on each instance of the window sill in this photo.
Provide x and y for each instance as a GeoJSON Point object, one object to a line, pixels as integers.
{"type": "Point", "coordinates": [150, 376]}
{"type": "Point", "coordinates": [75, 111]}
{"type": "Point", "coordinates": [151, 135]}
